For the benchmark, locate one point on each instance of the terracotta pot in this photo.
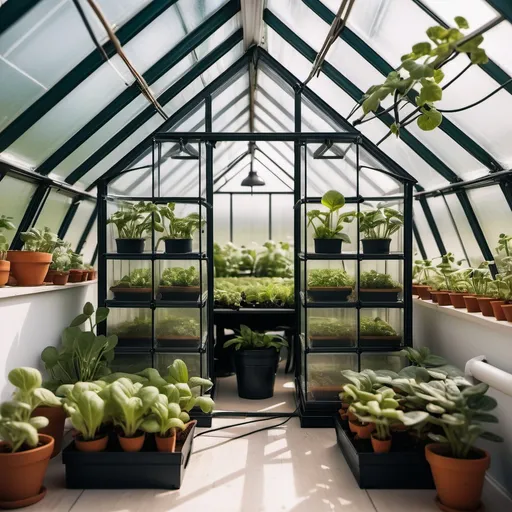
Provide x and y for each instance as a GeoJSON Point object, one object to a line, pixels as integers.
{"type": "Point", "coordinates": [442, 298]}
{"type": "Point", "coordinates": [352, 426]}
{"type": "Point", "coordinates": [23, 473]}
{"type": "Point", "coordinates": [351, 416]}
{"type": "Point", "coordinates": [507, 311]}
{"type": "Point", "coordinates": [414, 289]}
{"type": "Point", "coordinates": [458, 482]}
{"type": "Point", "coordinates": [28, 267]}
{"type": "Point", "coordinates": [362, 431]}
{"type": "Point", "coordinates": [61, 278]}
{"type": "Point", "coordinates": [85, 275]}
{"type": "Point", "coordinates": [75, 275]}
{"type": "Point", "coordinates": [96, 445]}
{"type": "Point", "coordinates": [49, 276]}
{"type": "Point", "coordinates": [166, 444]}
{"type": "Point", "coordinates": [56, 417]}
{"type": "Point", "coordinates": [91, 275]}
{"type": "Point", "coordinates": [457, 299]}
{"type": "Point", "coordinates": [471, 304]}
{"type": "Point", "coordinates": [424, 292]}
{"type": "Point", "coordinates": [131, 444]}
{"type": "Point", "coordinates": [380, 446]}
{"type": "Point", "coordinates": [497, 309]}
{"type": "Point", "coordinates": [343, 414]}
{"type": "Point", "coordinates": [433, 297]}
{"type": "Point", "coordinates": [484, 303]}
{"type": "Point", "coordinates": [5, 267]}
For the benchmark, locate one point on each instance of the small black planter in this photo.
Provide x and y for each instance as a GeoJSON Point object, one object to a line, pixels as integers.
{"type": "Point", "coordinates": [376, 246]}
{"type": "Point", "coordinates": [127, 294]}
{"type": "Point", "coordinates": [179, 293]}
{"type": "Point", "coordinates": [329, 294]}
{"type": "Point", "coordinates": [379, 295]}
{"type": "Point", "coordinates": [178, 245]}
{"type": "Point", "coordinates": [130, 245]}
{"type": "Point", "coordinates": [328, 245]}
{"type": "Point", "coordinates": [256, 372]}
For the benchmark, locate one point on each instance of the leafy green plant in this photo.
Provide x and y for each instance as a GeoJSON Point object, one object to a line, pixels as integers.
{"type": "Point", "coordinates": [61, 259]}
{"type": "Point", "coordinates": [76, 261]}
{"type": "Point", "coordinates": [503, 257]}
{"type": "Point", "coordinates": [137, 278]}
{"type": "Point", "coordinates": [83, 355]}
{"type": "Point", "coordinates": [503, 287]}
{"type": "Point", "coordinates": [422, 357]}
{"type": "Point", "coordinates": [380, 223]}
{"type": "Point", "coordinates": [251, 340]}
{"type": "Point", "coordinates": [133, 221]}
{"type": "Point", "coordinates": [320, 326]}
{"type": "Point", "coordinates": [446, 270]}
{"type": "Point", "coordinates": [373, 279]}
{"type": "Point", "coordinates": [37, 240]}
{"type": "Point", "coordinates": [178, 276]}
{"type": "Point", "coordinates": [329, 224]}
{"type": "Point", "coordinates": [424, 272]}
{"type": "Point", "coordinates": [5, 225]}
{"type": "Point", "coordinates": [274, 261]}
{"type": "Point", "coordinates": [174, 227]}
{"type": "Point", "coordinates": [182, 326]}
{"type": "Point", "coordinates": [165, 415]}
{"type": "Point", "coordinates": [481, 281]}
{"type": "Point", "coordinates": [138, 327]}
{"type": "Point", "coordinates": [327, 278]}
{"type": "Point", "coordinates": [375, 327]}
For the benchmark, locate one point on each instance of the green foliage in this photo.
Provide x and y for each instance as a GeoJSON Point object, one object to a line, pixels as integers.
{"type": "Point", "coordinates": [178, 276]}
{"type": "Point", "coordinates": [373, 279]}
{"type": "Point", "coordinates": [174, 325]}
{"type": "Point", "coordinates": [503, 287]}
{"type": "Point", "coordinates": [424, 272]}
{"type": "Point", "coordinates": [76, 261]}
{"type": "Point", "coordinates": [327, 277]}
{"type": "Point", "coordinates": [174, 227]}
{"type": "Point", "coordinates": [138, 327]}
{"type": "Point", "coordinates": [503, 257]}
{"type": "Point", "coordinates": [380, 223]}
{"type": "Point", "coordinates": [375, 327]}
{"type": "Point", "coordinates": [83, 356]}
{"type": "Point", "coordinates": [37, 240]}
{"type": "Point", "coordinates": [137, 278]}
{"type": "Point", "coordinates": [164, 417]}
{"type": "Point", "coordinates": [136, 220]}
{"type": "Point", "coordinates": [320, 326]}
{"type": "Point", "coordinates": [251, 340]}
{"type": "Point", "coordinates": [328, 225]}
{"type": "Point", "coordinates": [422, 357]}
{"type": "Point", "coordinates": [5, 225]}
{"type": "Point", "coordinates": [230, 261]}
{"type": "Point", "coordinates": [274, 261]}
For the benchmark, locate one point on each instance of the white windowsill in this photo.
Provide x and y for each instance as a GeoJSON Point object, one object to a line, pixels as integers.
{"type": "Point", "coordinates": [478, 318]}
{"type": "Point", "coordinates": [18, 291]}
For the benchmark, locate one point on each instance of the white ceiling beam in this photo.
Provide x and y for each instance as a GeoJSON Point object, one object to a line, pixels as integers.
{"type": "Point", "coordinates": [252, 22]}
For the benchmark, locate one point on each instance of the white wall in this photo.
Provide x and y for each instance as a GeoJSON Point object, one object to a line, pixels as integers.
{"type": "Point", "coordinates": [459, 336]}
{"type": "Point", "coordinates": [29, 323]}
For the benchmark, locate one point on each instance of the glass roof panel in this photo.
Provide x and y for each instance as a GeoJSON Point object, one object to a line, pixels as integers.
{"type": "Point", "coordinates": [496, 50]}
{"type": "Point", "coordinates": [477, 12]}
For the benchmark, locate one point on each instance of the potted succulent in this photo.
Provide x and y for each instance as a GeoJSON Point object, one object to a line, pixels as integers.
{"type": "Point", "coordinates": [5, 266]}
{"type": "Point", "coordinates": [30, 265]}
{"type": "Point", "coordinates": [256, 361]}
{"type": "Point", "coordinates": [330, 332]}
{"type": "Point", "coordinates": [377, 287]}
{"type": "Point", "coordinates": [329, 285]}
{"type": "Point", "coordinates": [135, 286]}
{"type": "Point", "coordinates": [178, 331]}
{"type": "Point", "coordinates": [133, 221]}
{"type": "Point", "coordinates": [24, 453]}
{"type": "Point", "coordinates": [328, 225]}
{"type": "Point", "coordinates": [377, 226]}
{"type": "Point", "coordinates": [179, 284]}
{"type": "Point", "coordinates": [178, 232]}
{"type": "Point", "coordinates": [375, 332]}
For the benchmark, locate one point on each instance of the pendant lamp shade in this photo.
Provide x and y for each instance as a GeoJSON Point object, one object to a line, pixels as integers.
{"type": "Point", "coordinates": [253, 180]}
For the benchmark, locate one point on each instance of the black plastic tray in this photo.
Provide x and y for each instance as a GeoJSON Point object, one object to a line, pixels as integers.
{"type": "Point", "coordinates": [178, 293]}
{"type": "Point", "coordinates": [320, 294]}
{"type": "Point", "coordinates": [380, 296]}
{"type": "Point", "coordinates": [115, 469]}
{"type": "Point", "coordinates": [404, 467]}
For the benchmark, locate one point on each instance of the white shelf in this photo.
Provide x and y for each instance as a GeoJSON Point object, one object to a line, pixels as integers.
{"type": "Point", "coordinates": [18, 291]}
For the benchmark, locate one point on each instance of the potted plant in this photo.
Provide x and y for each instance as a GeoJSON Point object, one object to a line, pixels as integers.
{"type": "Point", "coordinates": [5, 266]}
{"type": "Point", "coordinates": [91, 273]}
{"type": "Point", "coordinates": [274, 261]}
{"type": "Point", "coordinates": [59, 267]}
{"type": "Point", "coordinates": [329, 285]}
{"type": "Point", "coordinates": [30, 265]}
{"type": "Point", "coordinates": [179, 284]}
{"type": "Point", "coordinates": [133, 221]}
{"type": "Point", "coordinates": [178, 232]}
{"type": "Point", "coordinates": [137, 332]}
{"type": "Point", "coordinates": [178, 331]}
{"type": "Point", "coordinates": [377, 287]}
{"type": "Point", "coordinates": [135, 286]}
{"type": "Point", "coordinates": [330, 332]}
{"type": "Point", "coordinates": [328, 226]}
{"type": "Point", "coordinates": [425, 274]}
{"type": "Point", "coordinates": [24, 454]}
{"type": "Point", "coordinates": [445, 284]}
{"type": "Point", "coordinates": [75, 266]}
{"type": "Point", "coordinates": [256, 361]}
{"type": "Point", "coordinates": [375, 332]}
{"type": "Point", "coordinates": [502, 297]}
{"type": "Point", "coordinates": [377, 226]}
{"type": "Point", "coordinates": [481, 283]}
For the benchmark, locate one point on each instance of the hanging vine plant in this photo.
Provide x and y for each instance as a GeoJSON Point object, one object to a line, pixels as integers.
{"type": "Point", "coordinates": [419, 79]}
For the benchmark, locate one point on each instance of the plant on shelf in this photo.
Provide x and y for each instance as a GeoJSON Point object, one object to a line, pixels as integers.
{"type": "Point", "coordinates": [135, 286]}
{"type": "Point", "coordinates": [424, 275]}
{"type": "Point", "coordinates": [377, 287]}
{"type": "Point", "coordinates": [503, 256]}
{"type": "Point", "coordinates": [328, 331]}
{"type": "Point", "coordinates": [274, 261]}
{"type": "Point", "coordinates": [378, 226]}
{"type": "Point", "coordinates": [375, 327]}
{"type": "Point", "coordinates": [329, 285]}
{"type": "Point", "coordinates": [256, 361]}
{"type": "Point", "coordinates": [178, 327]}
{"type": "Point", "coordinates": [5, 266]}
{"type": "Point", "coordinates": [482, 287]}
{"type": "Point", "coordinates": [76, 267]}
{"type": "Point", "coordinates": [502, 305]}
{"type": "Point", "coordinates": [24, 453]}
{"type": "Point", "coordinates": [328, 225]}
{"type": "Point", "coordinates": [177, 283]}
{"type": "Point", "coordinates": [138, 328]}
{"type": "Point", "coordinates": [422, 357]}
{"type": "Point", "coordinates": [226, 260]}
{"type": "Point", "coordinates": [59, 267]}
{"type": "Point", "coordinates": [448, 279]}
{"type": "Point", "coordinates": [178, 232]}
{"type": "Point", "coordinates": [133, 222]}
{"type": "Point", "coordinates": [30, 265]}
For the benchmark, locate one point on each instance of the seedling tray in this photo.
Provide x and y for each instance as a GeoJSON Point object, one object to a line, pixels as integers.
{"type": "Point", "coordinates": [178, 342]}
{"type": "Point", "coordinates": [404, 467]}
{"type": "Point", "coordinates": [134, 341]}
{"type": "Point", "coordinates": [379, 295]}
{"type": "Point", "coordinates": [131, 294]}
{"type": "Point", "coordinates": [179, 293]}
{"type": "Point", "coordinates": [330, 342]}
{"type": "Point", "coordinates": [390, 342]}
{"type": "Point", "coordinates": [115, 469]}
{"type": "Point", "coordinates": [329, 294]}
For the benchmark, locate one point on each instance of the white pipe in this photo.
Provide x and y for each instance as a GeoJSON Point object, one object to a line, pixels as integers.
{"type": "Point", "coordinates": [494, 377]}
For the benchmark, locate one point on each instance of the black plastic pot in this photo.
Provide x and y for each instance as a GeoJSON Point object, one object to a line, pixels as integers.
{"type": "Point", "coordinates": [130, 245]}
{"type": "Point", "coordinates": [256, 372]}
{"type": "Point", "coordinates": [328, 245]}
{"type": "Point", "coordinates": [178, 245]}
{"type": "Point", "coordinates": [377, 295]}
{"type": "Point", "coordinates": [376, 246]}
{"type": "Point", "coordinates": [329, 294]}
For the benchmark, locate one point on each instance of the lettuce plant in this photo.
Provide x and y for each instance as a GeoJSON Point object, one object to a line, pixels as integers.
{"type": "Point", "coordinates": [375, 327]}
{"type": "Point", "coordinates": [373, 279]}
{"type": "Point", "coordinates": [178, 326]}
{"type": "Point", "coordinates": [5, 225]}
{"type": "Point", "coordinates": [327, 277]}
{"type": "Point", "coordinates": [135, 220]}
{"type": "Point", "coordinates": [321, 326]}
{"type": "Point", "coordinates": [251, 340]}
{"type": "Point", "coordinates": [274, 261]}
{"type": "Point", "coordinates": [178, 276]}
{"type": "Point", "coordinates": [164, 417]}
{"type": "Point", "coordinates": [137, 278]}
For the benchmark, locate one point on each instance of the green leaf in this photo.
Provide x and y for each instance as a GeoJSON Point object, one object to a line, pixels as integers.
{"type": "Point", "coordinates": [461, 22]}
{"type": "Point", "coordinates": [481, 403]}
{"type": "Point", "coordinates": [429, 119]}
{"type": "Point", "coordinates": [88, 309]}
{"type": "Point", "coordinates": [479, 56]}
{"type": "Point", "coordinates": [333, 200]}
{"type": "Point", "coordinates": [418, 71]}
{"type": "Point", "coordinates": [472, 44]}
{"type": "Point", "coordinates": [485, 417]}
{"type": "Point", "coordinates": [395, 130]}
{"type": "Point", "coordinates": [79, 320]}
{"type": "Point", "coordinates": [101, 314]}
{"type": "Point", "coordinates": [372, 103]}
{"type": "Point", "coordinates": [437, 33]}
{"type": "Point", "coordinates": [26, 379]}
{"type": "Point", "coordinates": [420, 49]}
{"type": "Point", "coordinates": [479, 389]}
{"type": "Point", "coordinates": [205, 403]}
{"type": "Point", "coordinates": [39, 422]}
{"type": "Point", "coordinates": [50, 357]}
{"type": "Point", "coordinates": [438, 75]}
{"type": "Point", "coordinates": [429, 93]}
{"type": "Point", "coordinates": [489, 436]}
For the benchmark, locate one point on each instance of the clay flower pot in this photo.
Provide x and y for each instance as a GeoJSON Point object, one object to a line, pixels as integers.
{"type": "Point", "coordinates": [5, 267]}
{"type": "Point", "coordinates": [60, 278]}
{"type": "Point", "coordinates": [131, 444]}
{"type": "Point", "coordinates": [166, 444]}
{"type": "Point", "coordinates": [29, 268]}
{"type": "Point", "coordinates": [91, 275]}
{"type": "Point", "coordinates": [23, 473]}
{"type": "Point", "coordinates": [381, 446]}
{"type": "Point", "coordinates": [457, 299]}
{"type": "Point", "coordinates": [85, 275]}
{"type": "Point", "coordinates": [423, 292]}
{"type": "Point", "coordinates": [471, 304]}
{"type": "Point", "coordinates": [351, 416]}
{"type": "Point", "coordinates": [442, 298]}
{"type": "Point", "coordinates": [95, 445]}
{"type": "Point", "coordinates": [484, 303]}
{"type": "Point", "coordinates": [352, 426]}
{"type": "Point", "coordinates": [49, 276]}
{"type": "Point", "coordinates": [497, 309]}
{"type": "Point", "coordinates": [75, 275]}
{"type": "Point", "coordinates": [363, 431]}
{"type": "Point", "coordinates": [507, 311]}
{"type": "Point", "coordinates": [414, 289]}
{"type": "Point", "coordinates": [433, 297]}
{"type": "Point", "coordinates": [458, 482]}
{"type": "Point", "coordinates": [56, 418]}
